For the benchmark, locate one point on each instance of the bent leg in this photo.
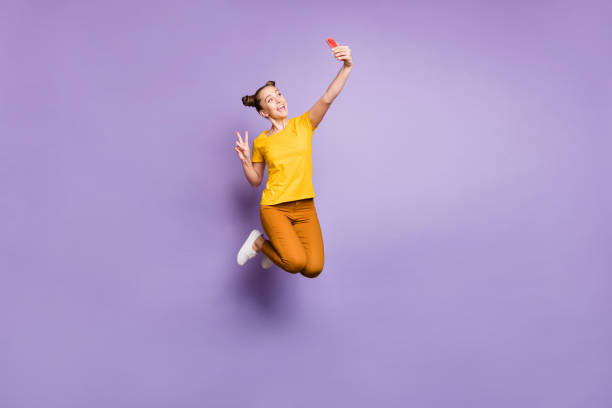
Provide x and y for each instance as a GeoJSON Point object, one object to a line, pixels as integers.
{"type": "Point", "coordinates": [283, 247]}
{"type": "Point", "coordinates": [308, 230]}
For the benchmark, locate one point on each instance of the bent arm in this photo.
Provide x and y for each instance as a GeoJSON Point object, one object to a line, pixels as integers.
{"type": "Point", "coordinates": [320, 108]}
{"type": "Point", "coordinates": [253, 172]}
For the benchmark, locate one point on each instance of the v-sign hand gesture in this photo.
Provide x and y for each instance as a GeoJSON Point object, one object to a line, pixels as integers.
{"type": "Point", "coordinates": [242, 147]}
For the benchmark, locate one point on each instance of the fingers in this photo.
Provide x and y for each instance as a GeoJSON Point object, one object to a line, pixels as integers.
{"type": "Point", "coordinates": [241, 154]}
{"type": "Point", "coordinates": [242, 146]}
{"type": "Point", "coordinates": [341, 52]}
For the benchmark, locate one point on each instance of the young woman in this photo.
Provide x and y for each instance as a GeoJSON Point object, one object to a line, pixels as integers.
{"type": "Point", "coordinates": [287, 210]}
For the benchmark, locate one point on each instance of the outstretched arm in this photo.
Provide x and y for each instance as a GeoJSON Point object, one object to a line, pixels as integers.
{"type": "Point", "coordinates": [316, 113]}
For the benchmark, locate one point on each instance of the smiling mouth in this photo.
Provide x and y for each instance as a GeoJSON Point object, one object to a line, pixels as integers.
{"type": "Point", "coordinates": [284, 108]}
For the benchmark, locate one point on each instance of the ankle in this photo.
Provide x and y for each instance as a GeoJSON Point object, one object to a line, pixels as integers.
{"type": "Point", "coordinates": [258, 243]}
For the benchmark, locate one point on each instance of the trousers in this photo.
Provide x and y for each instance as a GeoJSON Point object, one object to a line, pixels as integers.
{"type": "Point", "coordinates": [295, 242]}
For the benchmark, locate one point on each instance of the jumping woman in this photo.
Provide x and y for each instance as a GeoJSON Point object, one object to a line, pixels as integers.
{"type": "Point", "coordinates": [287, 209]}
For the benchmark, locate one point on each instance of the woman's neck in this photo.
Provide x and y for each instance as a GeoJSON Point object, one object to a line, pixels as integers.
{"type": "Point", "coordinates": [278, 125]}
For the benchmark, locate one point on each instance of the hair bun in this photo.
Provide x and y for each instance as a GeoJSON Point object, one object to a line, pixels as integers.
{"type": "Point", "coordinates": [247, 100]}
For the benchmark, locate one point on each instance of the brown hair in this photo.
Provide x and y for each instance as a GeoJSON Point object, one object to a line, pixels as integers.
{"type": "Point", "coordinates": [252, 100]}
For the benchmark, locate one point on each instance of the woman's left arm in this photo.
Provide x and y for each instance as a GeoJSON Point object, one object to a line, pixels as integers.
{"type": "Point", "coordinates": [341, 52]}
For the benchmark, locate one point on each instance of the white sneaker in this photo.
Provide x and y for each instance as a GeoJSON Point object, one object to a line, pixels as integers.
{"type": "Point", "coordinates": [266, 262]}
{"type": "Point", "coordinates": [246, 250]}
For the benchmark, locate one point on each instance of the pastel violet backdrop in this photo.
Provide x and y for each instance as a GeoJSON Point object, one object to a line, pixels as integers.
{"type": "Point", "coordinates": [462, 181]}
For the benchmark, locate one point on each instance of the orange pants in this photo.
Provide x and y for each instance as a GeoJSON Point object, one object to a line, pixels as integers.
{"type": "Point", "coordinates": [294, 241]}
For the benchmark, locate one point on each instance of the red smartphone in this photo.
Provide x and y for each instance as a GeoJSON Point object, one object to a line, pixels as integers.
{"type": "Point", "coordinates": [331, 43]}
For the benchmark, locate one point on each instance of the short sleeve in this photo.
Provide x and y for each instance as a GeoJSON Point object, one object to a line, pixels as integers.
{"type": "Point", "coordinates": [257, 156]}
{"type": "Point", "coordinates": [306, 123]}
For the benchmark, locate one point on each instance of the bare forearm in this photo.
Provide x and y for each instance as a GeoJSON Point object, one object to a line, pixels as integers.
{"type": "Point", "coordinates": [250, 173]}
{"type": "Point", "coordinates": [338, 83]}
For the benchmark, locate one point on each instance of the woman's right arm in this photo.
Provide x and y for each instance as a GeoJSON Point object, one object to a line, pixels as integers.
{"type": "Point", "coordinates": [252, 171]}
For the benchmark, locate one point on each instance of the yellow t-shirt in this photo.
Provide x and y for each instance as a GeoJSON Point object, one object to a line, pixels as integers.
{"type": "Point", "coordinates": [288, 155]}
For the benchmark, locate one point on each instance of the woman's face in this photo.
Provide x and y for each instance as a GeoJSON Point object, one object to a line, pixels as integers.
{"type": "Point", "coordinates": [273, 103]}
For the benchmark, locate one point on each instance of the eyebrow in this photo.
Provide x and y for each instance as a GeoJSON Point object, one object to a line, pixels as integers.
{"type": "Point", "coordinates": [266, 98]}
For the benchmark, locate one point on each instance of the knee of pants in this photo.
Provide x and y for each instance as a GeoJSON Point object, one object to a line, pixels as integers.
{"type": "Point", "coordinates": [312, 271]}
{"type": "Point", "coordinates": [295, 264]}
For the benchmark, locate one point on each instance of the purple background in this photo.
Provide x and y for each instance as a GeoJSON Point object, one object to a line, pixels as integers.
{"type": "Point", "coordinates": [463, 188]}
